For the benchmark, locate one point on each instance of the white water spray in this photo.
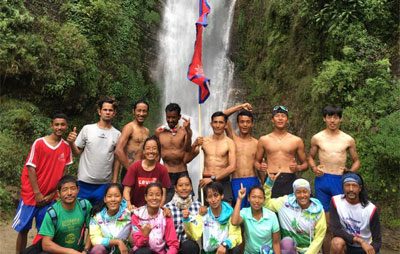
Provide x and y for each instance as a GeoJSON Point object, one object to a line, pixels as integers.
{"type": "Point", "coordinates": [177, 39]}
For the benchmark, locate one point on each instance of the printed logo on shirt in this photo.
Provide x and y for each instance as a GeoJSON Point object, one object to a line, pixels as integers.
{"type": "Point", "coordinates": [144, 181]}
{"type": "Point", "coordinates": [61, 157]}
{"type": "Point", "coordinates": [352, 226]}
{"type": "Point", "coordinates": [70, 239]}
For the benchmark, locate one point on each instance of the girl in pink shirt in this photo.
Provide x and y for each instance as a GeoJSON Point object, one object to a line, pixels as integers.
{"type": "Point", "coordinates": [151, 230]}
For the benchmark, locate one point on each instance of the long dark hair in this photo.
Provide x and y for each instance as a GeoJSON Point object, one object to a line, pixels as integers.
{"type": "Point", "coordinates": [363, 195]}
{"type": "Point", "coordinates": [100, 205]}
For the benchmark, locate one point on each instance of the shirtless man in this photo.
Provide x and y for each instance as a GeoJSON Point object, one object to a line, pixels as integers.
{"type": "Point", "coordinates": [130, 144]}
{"type": "Point", "coordinates": [332, 145]}
{"type": "Point", "coordinates": [219, 155]}
{"type": "Point", "coordinates": [246, 149]}
{"type": "Point", "coordinates": [175, 143]}
{"type": "Point", "coordinates": [284, 153]}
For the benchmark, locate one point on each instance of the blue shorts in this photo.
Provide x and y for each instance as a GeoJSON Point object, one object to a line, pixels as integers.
{"type": "Point", "coordinates": [247, 182]}
{"type": "Point", "coordinates": [25, 214]}
{"type": "Point", "coordinates": [92, 192]}
{"type": "Point", "coordinates": [327, 186]}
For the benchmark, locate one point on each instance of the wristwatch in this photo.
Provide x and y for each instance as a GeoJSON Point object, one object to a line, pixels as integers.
{"type": "Point", "coordinates": [213, 178]}
{"type": "Point", "coordinates": [224, 244]}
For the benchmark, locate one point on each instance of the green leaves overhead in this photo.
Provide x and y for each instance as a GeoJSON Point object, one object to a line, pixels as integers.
{"type": "Point", "coordinates": [70, 52]}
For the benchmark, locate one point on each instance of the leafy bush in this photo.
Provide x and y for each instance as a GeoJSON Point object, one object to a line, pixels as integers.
{"type": "Point", "coordinates": [20, 124]}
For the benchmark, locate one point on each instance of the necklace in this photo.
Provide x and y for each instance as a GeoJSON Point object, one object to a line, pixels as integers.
{"type": "Point", "coordinates": [280, 137]}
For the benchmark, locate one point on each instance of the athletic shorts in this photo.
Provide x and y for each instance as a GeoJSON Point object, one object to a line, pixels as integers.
{"type": "Point", "coordinates": [226, 185]}
{"type": "Point", "coordinates": [173, 177]}
{"type": "Point", "coordinates": [354, 249]}
{"type": "Point", "coordinates": [283, 185]}
{"type": "Point", "coordinates": [248, 183]}
{"type": "Point", "coordinates": [25, 214]}
{"type": "Point", "coordinates": [327, 186]}
{"type": "Point", "coordinates": [92, 192]}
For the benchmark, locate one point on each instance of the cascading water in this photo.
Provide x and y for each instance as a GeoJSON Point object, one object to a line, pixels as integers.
{"type": "Point", "coordinates": [176, 40]}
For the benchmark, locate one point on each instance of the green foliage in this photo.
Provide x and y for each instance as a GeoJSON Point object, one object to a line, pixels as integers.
{"type": "Point", "coordinates": [7, 200]}
{"type": "Point", "coordinates": [307, 54]}
{"type": "Point", "coordinates": [20, 124]}
{"type": "Point", "coordinates": [11, 158]}
{"type": "Point", "coordinates": [65, 54]}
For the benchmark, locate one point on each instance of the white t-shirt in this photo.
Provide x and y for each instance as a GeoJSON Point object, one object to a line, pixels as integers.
{"type": "Point", "coordinates": [355, 219]}
{"type": "Point", "coordinates": [97, 158]}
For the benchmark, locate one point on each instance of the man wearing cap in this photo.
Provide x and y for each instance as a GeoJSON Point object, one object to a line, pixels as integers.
{"type": "Point", "coordinates": [302, 218]}
{"type": "Point", "coordinates": [354, 221]}
{"type": "Point", "coordinates": [284, 153]}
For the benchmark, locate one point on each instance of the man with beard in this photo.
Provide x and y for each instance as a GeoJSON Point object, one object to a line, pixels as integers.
{"type": "Point", "coordinates": [354, 220]}
{"type": "Point", "coordinates": [64, 223]}
{"type": "Point", "coordinates": [129, 147]}
{"type": "Point", "coordinates": [96, 144]}
{"type": "Point", "coordinates": [175, 144]}
{"type": "Point", "coordinates": [284, 153]}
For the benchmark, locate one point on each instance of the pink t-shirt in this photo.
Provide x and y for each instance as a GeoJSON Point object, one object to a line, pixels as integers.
{"type": "Point", "coordinates": [49, 163]}
{"type": "Point", "coordinates": [137, 178]}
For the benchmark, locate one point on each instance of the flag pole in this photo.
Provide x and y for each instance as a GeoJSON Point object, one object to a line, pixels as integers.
{"type": "Point", "coordinates": [201, 164]}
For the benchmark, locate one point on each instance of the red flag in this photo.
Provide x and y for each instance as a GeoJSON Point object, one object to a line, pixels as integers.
{"type": "Point", "coordinates": [196, 72]}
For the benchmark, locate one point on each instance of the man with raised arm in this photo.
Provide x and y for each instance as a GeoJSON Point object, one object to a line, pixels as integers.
{"type": "Point", "coordinates": [331, 145]}
{"type": "Point", "coordinates": [96, 144]}
{"type": "Point", "coordinates": [246, 149]}
{"type": "Point", "coordinates": [219, 155]}
{"type": "Point", "coordinates": [284, 153]}
{"type": "Point", "coordinates": [175, 143]}
{"type": "Point", "coordinates": [129, 147]}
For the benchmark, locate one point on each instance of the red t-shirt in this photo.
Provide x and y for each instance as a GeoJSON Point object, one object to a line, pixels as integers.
{"type": "Point", "coordinates": [49, 163]}
{"type": "Point", "coordinates": [137, 178]}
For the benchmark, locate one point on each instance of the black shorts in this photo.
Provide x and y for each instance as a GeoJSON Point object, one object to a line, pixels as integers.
{"type": "Point", "coordinates": [354, 249]}
{"type": "Point", "coordinates": [283, 185]}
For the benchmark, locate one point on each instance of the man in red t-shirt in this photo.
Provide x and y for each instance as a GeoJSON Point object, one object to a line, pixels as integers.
{"type": "Point", "coordinates": [44, 167]}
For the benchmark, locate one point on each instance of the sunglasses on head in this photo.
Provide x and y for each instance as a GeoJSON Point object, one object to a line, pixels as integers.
{"type": "Point", "coordinates": [280, 107]}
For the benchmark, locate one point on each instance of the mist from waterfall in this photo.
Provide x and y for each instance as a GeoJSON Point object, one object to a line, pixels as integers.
{"type": "Point", "coordinates": [176, 38]}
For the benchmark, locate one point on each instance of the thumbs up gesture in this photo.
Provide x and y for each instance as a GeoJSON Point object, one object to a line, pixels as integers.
{"type": "Point", "coordinates": [72, 136]}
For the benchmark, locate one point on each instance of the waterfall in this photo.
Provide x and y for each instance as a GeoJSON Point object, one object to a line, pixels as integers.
{"type": "Point", "coordinates": [176, 38]}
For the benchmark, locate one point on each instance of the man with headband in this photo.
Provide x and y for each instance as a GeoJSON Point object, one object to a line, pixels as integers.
{"type": "Point", "coordinates": [301, 218]}
{"type": "Point", "coordinates": [284, 153]}
{"type": "Point", "coordinates": [354, 220]}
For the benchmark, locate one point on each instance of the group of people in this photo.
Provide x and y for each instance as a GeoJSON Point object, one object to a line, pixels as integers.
{"type": "Point", "coordinates": [255, 200]}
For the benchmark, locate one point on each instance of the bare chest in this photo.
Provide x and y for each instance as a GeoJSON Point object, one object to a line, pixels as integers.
{"type": "Point", "coordinates": [169, 140]}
